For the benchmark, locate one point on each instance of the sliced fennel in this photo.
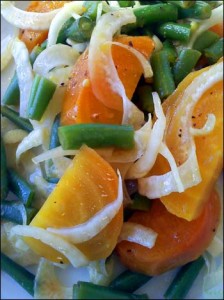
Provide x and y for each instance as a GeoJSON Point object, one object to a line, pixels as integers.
{"type": "Point", "coordinates": [24, 73]}
{"type": "Point", "coordinates": [47, 285]}
{"type": "Point", "coordinates": [138, 234]}
{"type": "Point", "coordinates": [73, 254]}
{"type": "Point", "coordinates": [60, 19]}
{"type": "Point", "coordinates": [24, 19]}
{"type": "Point", "coordinates": [15, 247]}
{"type": "Point", "coordinates": [53, 57]}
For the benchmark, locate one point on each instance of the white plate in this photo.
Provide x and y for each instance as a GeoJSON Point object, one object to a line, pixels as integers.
{"type": "Point", "coordinates": [155, 288]}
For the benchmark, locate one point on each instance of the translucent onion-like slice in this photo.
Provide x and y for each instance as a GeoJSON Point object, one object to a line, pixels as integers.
{"type": "Point", "coordinates": [15, 248]}
{"type": "Point", "coordinates": [158, 186]}
{"type": "Point", "coordinates": [60, 76]}
{"type": "Point", "coordinates": [147, 69]}
{"type": "Point", "coordinates": [24, 19]}
{"type": "Point", "coordinates": [146, 162]}
{"type": "Point", "coordinates": [99, 11]}
{"type": "Point", "coordinates": [206, 129]}
{"type": "Point", "coordinates": [73, 254]}
{"type": "Point", "coordinates": [52, 154]}
{"type": "Point", "coordinates": [59, 20]}
{"type": "Point", "coordinates": [33, 139]}
{"type": "Point", "coordinates": [216, 18]}
{"type": "Point", "coordinates": [86, 231]}
{"type": "Point", "coordinates": [53, 57]}
{"type": "Point", "coordinates": [80, 47]}
{"type": "Point", "coordinates": [138, 234]}
{"type": "Point", "coordinates": [61, 164]}
{"type": "Point", "coordinates": [47, 285]}
{"type": "Point", "coordinates": [165, 152]}
{"type": "Point", "coordinates": [24, 73]}
{"type": "Point", "coordinates": [101, 65]}
{"type": "Point", "coordinates": [6, 51]}
{"type": "Point", "coordinates": [14, 136]}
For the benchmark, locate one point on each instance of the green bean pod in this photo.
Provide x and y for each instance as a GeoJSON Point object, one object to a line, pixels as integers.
{"type": "Point", "coordinates": [126, 3]}
{"type": "Point", "coordinates": [186, 61]}
{"type": "Point", "coordinates": [14, 211]}
{"type": "Point", "coordinates": [149, 14]}
{"type": "Point", "coordinates": [205, 40]}
{"type": "Point", "coordinates": [214, 52]}
{"type": "Point", "coordinates": [13, 116]}
{"type": "Point", "coordinates": [54, 139]}
{"type": "Point", "coordinates": [96, 136]}
{"type": "Point", "coordinates": [41, 93]}
{"type": "Point", "coordinates": [18, 273]}
{"type": "Point", "coordinates": [175, 31]}
{"type": "Point", "coordinates": [4, 178]}
{"type": "Point", "coordinates": [87, 290]}
{"type": "Point", "coordinates": [162, 79]}
{"type": "Point", "coordinates": [184, 279]}
{"type": "Point", "coordinates": [129, 281]}
{"type": "Point", "coordinates": [183, 4]}
{"type": "Point", "coordinates": [12, 94]}
{"type": "Point", "coordinates": [170, 50]}
{"type": "Point", "coordinates": [20, 187]}
{"type": "Point", "coordinates": [200, 10]}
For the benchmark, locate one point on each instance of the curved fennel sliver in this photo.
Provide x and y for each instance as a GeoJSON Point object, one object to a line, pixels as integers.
{"type": "Point", "coordinates": [26, 20]}
{"type": "Point", "coordinates": [146, 162]}
{"type": "Point", "coordinates": [162, 185]}
{"type": "Point", "coordinates": [139, 234]}
{"type": "Point", "coordinates": [59, 20]}
{"type": "Point", "coordinates": [24, 73]}
{"type": "Point", "coordinates": [55, 56]}
{"type": "Point", "coordinates": [85, 231]}
{"type": "Point", "coordinates": [101, 65]}
{"type": "Point", "coordinates": [73, 254]}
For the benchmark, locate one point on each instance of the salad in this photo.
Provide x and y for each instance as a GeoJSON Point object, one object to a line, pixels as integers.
{"type": "Point", "coordinates": [112, 149]}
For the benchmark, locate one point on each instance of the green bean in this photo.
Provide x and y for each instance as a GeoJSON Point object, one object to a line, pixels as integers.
{"type": "Point", "coordinates": [80, 31]}
{"type": "Point", "coordinates": [96, 136]}
{"type": "Point", "coordinates": [205, 40]}
{"type": "Point", "coordinates": [184, 279]}
{"type": "Point", "coordinates": [163, 78]}
{"type": "Point", "coordinates": [175, 31]}
{"type": "Point", "coordinates": [183, 4]}
{"type": "Point", "coordinates": [149, 14]}
{"type": "Point", "coordinates": [170, 50]}
{"type": "Point", "coordinates": [144, 98]}
{"type": "Point", "coordinates": [4, 178]}
{"type": "Point", "coordinates": [13, 211]}
{"type": "Point", "coordinates": [12, 94]}
{"type": "Point", "coordinates": [139, 202]}
{"type": "Point", "coordinates": [34, 53]}
{"type": "Point", "coordinates": [54, 139]}
{"type": "Point", "coordinates": [13, 116]}
{"type": "Point", "coordinates": [200, 10]}
{"type": "Point", "coordinates": [186, 61]}
{"type": "Point", "coordinates": [126, 3]}
{"type": "Point", "coordinates": [214, 52]}
{"type": "Point", "coordinates": [18, 273]}
{"type": "Point", "coordinates": [87, 290]}
{"type": "Point", "coordinates": [41, 93]}
{"type": "Point", "coordinates": [62, 36]}
{"type": "Point", "coordinates": [20, 187]}
{"type": "Point", "coordinates": [91, 9]}
{"type": "Point", "coordinates": [129, 281]}
{"type": "Point", "coordinates": [30, 213]}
